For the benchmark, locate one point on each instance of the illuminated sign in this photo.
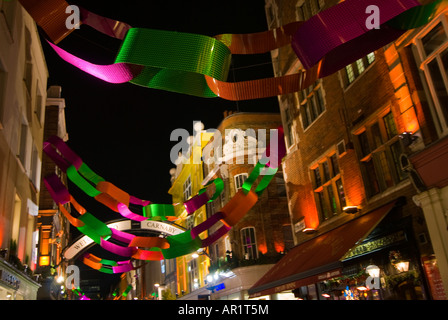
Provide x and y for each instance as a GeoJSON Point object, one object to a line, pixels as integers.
{"type": "Point", "coordinates": [155, 226]}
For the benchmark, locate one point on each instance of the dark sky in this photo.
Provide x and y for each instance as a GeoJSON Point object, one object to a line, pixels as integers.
{"type": "Point", "coordinates": [123, 131]}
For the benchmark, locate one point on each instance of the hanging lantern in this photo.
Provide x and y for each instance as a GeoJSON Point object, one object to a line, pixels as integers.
{"type": "Point", "coordinates": [373, 271]}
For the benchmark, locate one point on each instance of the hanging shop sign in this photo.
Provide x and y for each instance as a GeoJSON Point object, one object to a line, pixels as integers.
{"type": "Point", "coordinates": [376, 244]}
{"type": "Point", "coordinates": [155, 226]}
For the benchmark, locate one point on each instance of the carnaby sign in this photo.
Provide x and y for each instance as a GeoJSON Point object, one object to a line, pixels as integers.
{"type": "Point", "coordinates": [154, 226]}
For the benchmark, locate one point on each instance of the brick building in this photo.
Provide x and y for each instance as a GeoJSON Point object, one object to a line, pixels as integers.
{"type": "Point", "coordinates": [348, 137]}
{"type": "Point", "coordinates": [262, 237]}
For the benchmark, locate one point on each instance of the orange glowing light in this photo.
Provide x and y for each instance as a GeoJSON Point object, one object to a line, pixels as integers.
{"type": "Point", "coordinates": [262, 248]}
{"type": "Point", "coordinates": [44, 260]}
{"type": "Point", "coordinates": [410, 120]}
{"type": "Point", "coordinates": [279, 247]}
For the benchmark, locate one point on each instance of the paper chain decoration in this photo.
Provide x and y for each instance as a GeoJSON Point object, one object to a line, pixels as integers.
{"type": "Point", "coordinates": [198, 65]}
{"type": "Point", "coordinates": [149, 248]}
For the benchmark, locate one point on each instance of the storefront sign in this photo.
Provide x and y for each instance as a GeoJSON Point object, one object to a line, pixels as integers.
{"type": "Point", "coordinates": [9, 279]}
{"type": "Point", "coordinates": [376, 244]}
{"type": "Point", "coordinates": [160, 227]}
{"type": "Point", "coordinates": [434, 278]}
{"type": "Point", "coordinates": [155, 226]}
{"type": "Point", "coordinates": [299, 226]}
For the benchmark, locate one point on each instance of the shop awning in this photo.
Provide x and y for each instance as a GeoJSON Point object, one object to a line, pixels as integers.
{"type": "Point", "coordinates": [320, 258]}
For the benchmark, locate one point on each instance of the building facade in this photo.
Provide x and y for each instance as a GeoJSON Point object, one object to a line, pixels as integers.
{"type": "Point", "coordinates": [23, 81]}
{"type": "Point", "coordinates": [349, 136]}
{"type": "Point", "coordinates": [185, 276]}
{"type": "Point", "coordinates": [53, 228]}
{"type": "Point", "coordinates": [264, 235]}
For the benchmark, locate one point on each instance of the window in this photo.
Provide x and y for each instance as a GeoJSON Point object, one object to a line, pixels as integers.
{"type": "Point", "coordinates": [239, 180]}
{"type": "Point", "coordinates": [23, 146]}
{"type": "Point", "coordinates": [364, 144]}
{"type": "Point", "coordinates": [249, 243]}
{"type": "Point", "coordinates": [317, 178]}
{"type": "Point", "coordinates": [35, 168]}
{"type": "Point", "coordinates": [302, 11]}
{"type": "Point", "coordinates": [271, 15]}
{"type": "Point", "coordinates": [335, 163]}
{"type": "Point", "coordinates": [328, 190]}
{"type": "Point", "coordinates": [311, 104]}
{"type": "Point", "coordinates": [355, 69]}
{"type": "Point", "coordinates": [189, 222]}
{"type": "Point", "coordinates": [380, 163]}
{"type": "Point", "coordinates": [210, 209]}
{"type": "Point", "coordinates": [289, 134]}
{"type": "Point", "coordinates": [432, 55]}
{"type": "Point", "coordinates": [350, 73]}
{"type": "Point", "coordinates": [39, 110]}
{"type": "Point", "coordinates": [193, 274]}
{"type": "Point", "coordinates": [187, 188]}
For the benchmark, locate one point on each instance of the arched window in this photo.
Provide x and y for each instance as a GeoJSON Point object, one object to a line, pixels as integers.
{"type": "Point", "coordinates": [239, 180]}
{"type": "Point", "coordinates": [249, 243]}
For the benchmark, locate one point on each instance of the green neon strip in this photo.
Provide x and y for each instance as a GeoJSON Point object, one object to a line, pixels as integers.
{"type": "Point", "coordinates": [247, 185]}
{"type": "Point", "coordinates": [106, 270]}
{"type": "Point", "coordinates": [268, 175]}
{"type": "Point", "coordinates": [416, 17]}
{"type": "Point", "coordinates": [175, 61]}
{"type": "Point", "coordinates": [181, 244]}
{"type": "Point", "coordinates": [219, 184]}
{"type": "Point", "coordinates": [89, 174]}
{"type": "Point", "coordinates": [94, 228]}
{"type": "Point", "coordinates": [81, 183]}
{"type": "Point", "coordinates": [158, 211]}
{"type": "Point", "coordinates": [109, 262]}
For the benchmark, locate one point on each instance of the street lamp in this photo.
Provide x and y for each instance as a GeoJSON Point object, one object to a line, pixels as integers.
{"type": "Point", "coordinates": [373, 271]}
{"type": "Point", "coordinates": [402, 266]}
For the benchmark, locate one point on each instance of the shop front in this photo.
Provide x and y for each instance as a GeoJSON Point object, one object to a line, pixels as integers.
{"type": "Point", "coordinates": [15, 285]}
{"type": "Point", "coordinates": [372, 257]}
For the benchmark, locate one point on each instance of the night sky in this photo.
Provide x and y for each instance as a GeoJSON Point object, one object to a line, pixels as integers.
{"type": "Point", "coordinates": [122, 131]}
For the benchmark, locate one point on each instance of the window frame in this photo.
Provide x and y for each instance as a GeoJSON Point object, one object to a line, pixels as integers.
{"type": "Point", "coordinates": [187, 188]}
{"type": "Point", "coordinates": [423, 60]}
{"type": "Point", "coordinates": [327, 187]}
{"type": "Point", "coordinates": [379, 163]}
{"type": "Point", "coordinates": [245, 245]}
{"type": "Point", "coordinates": [312, 104]}
{"type": "Point", "coordinates": [354, 69]}
{"type": "Point", "coordinates": [236, 179]}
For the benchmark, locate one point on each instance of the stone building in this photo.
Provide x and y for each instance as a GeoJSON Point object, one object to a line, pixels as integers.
{"type": "Point", "coordinates": [23, 82]}
{"type": "Point", "coordinates": [264, 234]}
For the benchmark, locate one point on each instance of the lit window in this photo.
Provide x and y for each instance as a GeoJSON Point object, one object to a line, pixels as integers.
{"type": "Point", "coordinates": [350, 73]}
{"type": "Point", "coordinates": [354, 70]}
{"type": "Point", "coordinates": [360, 66]}
{"type": "Point", "coordinates": [433, 59]}
{"type": "Point", "coordinates": [328, 190]}
{"type": "Point", "coordinates": [187, 188]}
